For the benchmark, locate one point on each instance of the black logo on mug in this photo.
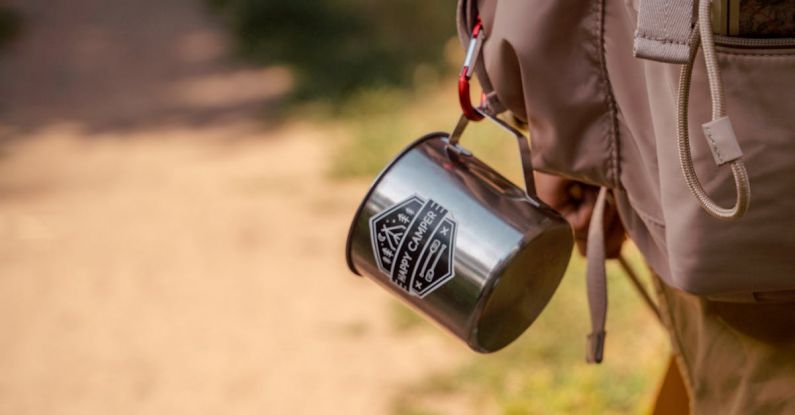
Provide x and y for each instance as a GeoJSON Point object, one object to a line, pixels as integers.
{"type": "Point", "coordinates": [414, 244]}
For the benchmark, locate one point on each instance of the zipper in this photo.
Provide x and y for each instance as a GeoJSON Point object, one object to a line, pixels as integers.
{"type": "Point", "coordinates": [759, 43]}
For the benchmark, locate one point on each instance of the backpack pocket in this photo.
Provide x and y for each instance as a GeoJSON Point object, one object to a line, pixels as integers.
{"type": "Point", "coordinates": [752, 257]}
{"type": "Point", "coordinates": [747, 259]}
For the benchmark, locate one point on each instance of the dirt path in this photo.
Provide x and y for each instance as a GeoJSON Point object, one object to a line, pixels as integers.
{"type": "Point", "coordinates": [163, 250]}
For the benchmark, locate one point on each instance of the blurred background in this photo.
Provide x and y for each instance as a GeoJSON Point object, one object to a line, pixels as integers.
{"type": "Point", "coordinates": [176, 182]}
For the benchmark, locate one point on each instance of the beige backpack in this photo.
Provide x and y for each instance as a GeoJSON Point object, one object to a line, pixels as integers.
{"type": "Point", "coordinates": [636, 98]}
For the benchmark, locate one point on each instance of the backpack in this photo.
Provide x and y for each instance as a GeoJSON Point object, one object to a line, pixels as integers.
{"type": "Point", "coordinates": [615, 94]}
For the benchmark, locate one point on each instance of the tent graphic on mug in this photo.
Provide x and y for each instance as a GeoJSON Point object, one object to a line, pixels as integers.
{"type": "Point", "coordinates": [414, 244]}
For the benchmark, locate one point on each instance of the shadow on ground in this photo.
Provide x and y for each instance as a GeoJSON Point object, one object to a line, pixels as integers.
{"type": "Point", "coordinates": [120, 66]}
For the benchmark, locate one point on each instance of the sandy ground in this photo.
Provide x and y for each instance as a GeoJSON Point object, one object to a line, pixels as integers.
{"type": "Point", "coordinates": [163, 248]}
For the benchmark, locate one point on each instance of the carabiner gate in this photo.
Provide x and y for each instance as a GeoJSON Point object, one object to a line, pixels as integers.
{"type": "Point", "coordinates": [473, 52]}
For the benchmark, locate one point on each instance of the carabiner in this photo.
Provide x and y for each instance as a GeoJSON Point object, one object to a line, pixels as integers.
{"type": "Point", "coordinates": [473, 51]}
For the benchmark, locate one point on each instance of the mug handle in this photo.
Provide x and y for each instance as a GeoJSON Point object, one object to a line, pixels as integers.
{"type": "Point", "coordinates": [521, 139]}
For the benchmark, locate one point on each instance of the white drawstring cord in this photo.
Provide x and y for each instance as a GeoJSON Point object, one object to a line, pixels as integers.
{"type": "Point", "coordinates": [724, 142]}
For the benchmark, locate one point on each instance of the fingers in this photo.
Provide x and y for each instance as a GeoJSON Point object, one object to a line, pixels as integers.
{"type": "Point", "coordinates": [579, 217]}
{"type": "Point", "coordinates": [552, 190]}
{"type": "Point", "coordinates": [575, 201]}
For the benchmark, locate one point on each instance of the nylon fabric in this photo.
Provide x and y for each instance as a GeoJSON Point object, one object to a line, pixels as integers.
{"type": "Point", "coordinates": [544, 62]}
{"type": "Point", "coordinates": [748, 260]}
{"type": "Point", "coordinates": [663, 31]}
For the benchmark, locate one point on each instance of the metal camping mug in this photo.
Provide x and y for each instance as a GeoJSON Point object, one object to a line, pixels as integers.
{"type": "Point", "coordinates": [459, 242]}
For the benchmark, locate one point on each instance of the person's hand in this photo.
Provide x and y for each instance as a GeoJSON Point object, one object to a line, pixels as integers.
{"type": "Point", "coordinates": [576, 201]}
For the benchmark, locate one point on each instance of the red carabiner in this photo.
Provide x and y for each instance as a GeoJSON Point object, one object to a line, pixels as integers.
{"type": "Point", "coordinates": [473, 50]}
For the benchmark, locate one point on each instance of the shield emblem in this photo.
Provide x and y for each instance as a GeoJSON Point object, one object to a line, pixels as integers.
{"type": "Point", "coordinates": [414, 244]}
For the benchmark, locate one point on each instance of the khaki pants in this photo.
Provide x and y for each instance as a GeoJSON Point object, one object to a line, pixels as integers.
{"type": "Point", "coordinates": [734, 358]}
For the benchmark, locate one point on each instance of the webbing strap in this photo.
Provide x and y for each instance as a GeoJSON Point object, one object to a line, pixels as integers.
{"type": "Point", "coordinates": [664, 28]}
{"type": "Point", "coordinates": [597, 280]}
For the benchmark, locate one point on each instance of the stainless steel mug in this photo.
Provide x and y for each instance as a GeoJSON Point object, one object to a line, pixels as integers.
{"type": "Point", "coordinates": [459, 242]}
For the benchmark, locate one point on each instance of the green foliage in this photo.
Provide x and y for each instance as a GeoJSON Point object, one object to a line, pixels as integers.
{"type": "Point", "coordinates": [9, 26]}
{"type": "Point", "coordinates": [382, 121]}
{"type": "Point", "coordinates": [337, 47]}
{"type": "Point", "coordinates": [404, 318]}
{"type": "Point", "coordinates": [544, 371]}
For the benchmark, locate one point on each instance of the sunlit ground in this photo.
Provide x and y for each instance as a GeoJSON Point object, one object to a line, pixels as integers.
{"type": "Point", "coordinates": [171, 241]}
